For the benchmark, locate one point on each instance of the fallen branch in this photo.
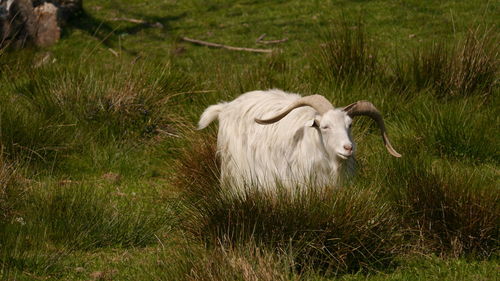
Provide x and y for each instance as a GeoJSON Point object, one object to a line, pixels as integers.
{"type": "Point", "coordinates": [268, 42]}
{"type": "Point", "coordinates": [138, 21]}
{"type": "Point", "coordinates": [261, 40]}
{"type": "Point", "coordinates": [215, 45]}
{"type": "Point", "coordinates": [261, 37]}
{"type": "Point", "coordinates": [129, 20]}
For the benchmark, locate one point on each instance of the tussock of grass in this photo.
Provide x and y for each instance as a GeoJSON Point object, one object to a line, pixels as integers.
{"type": "Point", "coordinates": [347, 55]}
{"type": "Point", "coordinates": [198, 167]}
{"type": "Point", "coordinates": [332, 231]}
{"type": "Point", "coordinates": [459, 132]}
{"type": "Point", "coordinates": [468, 68]}
{"type": "Point", "coordinates": [245, 262]}
{"type": "Point", "coordinates": [52, 111]}
{"type": "Point", "coordinates": [181, 259]}
{"type": "Point", "coordinates": [55, 221]}
{"type": "Point", "coordinates": [476, 64]}
{"type": "Point", "coordinates": [450, 211]}
{"type": "Point", "coordinates": [429, 66]}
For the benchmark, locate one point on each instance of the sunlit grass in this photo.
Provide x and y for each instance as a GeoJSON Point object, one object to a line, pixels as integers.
{"type": "Point", "coordinates": [103, 177]}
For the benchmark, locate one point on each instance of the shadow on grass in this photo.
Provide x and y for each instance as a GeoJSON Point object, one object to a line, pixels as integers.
{"type": "Point", "coordinates": [107, 32]}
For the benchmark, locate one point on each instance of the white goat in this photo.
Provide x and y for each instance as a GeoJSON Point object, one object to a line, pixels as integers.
{"type": "Point", "coordinates": [309, 145]}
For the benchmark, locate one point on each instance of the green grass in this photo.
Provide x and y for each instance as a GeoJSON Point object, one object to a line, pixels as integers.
{"type": "Point", "coordinates": [103, 177]}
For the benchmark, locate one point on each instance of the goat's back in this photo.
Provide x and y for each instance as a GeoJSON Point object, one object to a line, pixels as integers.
{"type": "Point", "coordinates": [261, 154]}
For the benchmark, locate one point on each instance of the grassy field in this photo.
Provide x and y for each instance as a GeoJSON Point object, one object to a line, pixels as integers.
{"type": "Point", "coordinates": [104, 177]}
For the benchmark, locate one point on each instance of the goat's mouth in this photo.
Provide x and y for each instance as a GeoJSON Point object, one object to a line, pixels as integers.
{"type": "Point", "coordinates": [343, 155]}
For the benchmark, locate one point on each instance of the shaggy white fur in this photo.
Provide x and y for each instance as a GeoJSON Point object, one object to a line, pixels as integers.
{"type": "Point", "coordinates": [302, 149]}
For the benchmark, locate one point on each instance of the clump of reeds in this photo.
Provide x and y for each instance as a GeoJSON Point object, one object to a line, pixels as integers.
{"type": "Point", "coordinates": [347, 55]}
{"type": "Point", "coordinates": [468, 68]}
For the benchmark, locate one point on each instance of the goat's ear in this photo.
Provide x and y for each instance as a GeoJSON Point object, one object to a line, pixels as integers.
{"type": "Point", "coordinates": [313, 122]}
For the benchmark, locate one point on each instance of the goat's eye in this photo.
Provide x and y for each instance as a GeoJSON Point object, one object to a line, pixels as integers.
{"type": "Point", "coordinates": [325, 127]}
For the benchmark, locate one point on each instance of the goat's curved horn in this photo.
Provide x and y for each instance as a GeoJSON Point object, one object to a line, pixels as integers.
{"type": "Point", "coordinates": [368, 109]}
{"type": "Point", "coordinates": [318, 102]}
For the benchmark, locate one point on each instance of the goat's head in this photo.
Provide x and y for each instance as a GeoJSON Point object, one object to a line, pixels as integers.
{"type": "Point", "coordinates": [334, 124]}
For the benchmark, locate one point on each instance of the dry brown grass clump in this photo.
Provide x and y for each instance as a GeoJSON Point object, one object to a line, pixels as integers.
{"type": "Point", "coordinates": [54, 111]}
{"type": "Point", "coordinates": [454, 218]}
{"type": "Point", "coordinates": [468, 68]}
{"type": "Point", "coordinates": [198, 167]}
{"type": "Point", "coordinates": [330, 231]}
{"type": "Point", "coordinates": [246, 263]}
{"type": "Point", "coordinates": [449, 210]}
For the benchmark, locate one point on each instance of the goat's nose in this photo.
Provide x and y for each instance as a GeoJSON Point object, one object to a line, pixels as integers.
{"type": "Point", "coordinates": [348, 147]}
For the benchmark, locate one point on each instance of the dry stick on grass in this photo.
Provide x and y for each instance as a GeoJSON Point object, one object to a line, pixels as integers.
{"type": "Point", "coordinates": [261, 40]}
{"type": "Point", "coordinates": [115, 53]}
{"type": "Point", "coordinates": [268, 42]}
{"type": "Point", "coordinates": [139, 21]}
{"type": "Point", "coordinates": [215, 45]}
{"type": "Point", "coordinates": [129, 20]}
